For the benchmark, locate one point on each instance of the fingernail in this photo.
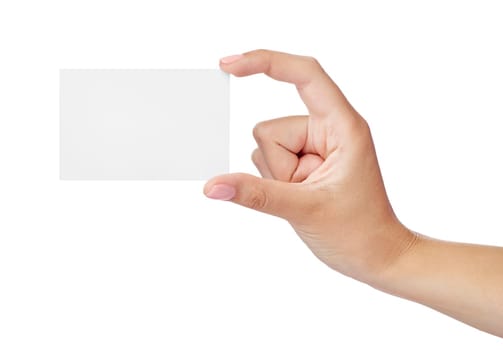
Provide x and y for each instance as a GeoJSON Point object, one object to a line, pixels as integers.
{"type": "Point", "coordinates": [230, 59]}
{"type": "Point", "coordinates": [222, 192]}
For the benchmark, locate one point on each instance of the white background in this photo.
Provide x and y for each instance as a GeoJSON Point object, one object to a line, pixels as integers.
{"type": "Point", "coordinates": [155, 265]}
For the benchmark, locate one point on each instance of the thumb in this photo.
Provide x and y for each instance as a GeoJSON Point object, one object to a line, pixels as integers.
{"type": "Point", "coordinates": [283, 199]}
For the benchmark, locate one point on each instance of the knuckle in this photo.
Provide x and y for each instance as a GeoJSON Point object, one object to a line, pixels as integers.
{"type": "Point", "coordinates": [261, 131]}
{"type": "Point", "coordinates": [313, 62]}
{"type": "Point", "coordinates": [257, 199]}
{"type": "Point", "coordinates": [255, 156]}
{"type": "Point", "coordinates": [361, 129]}
{"type": "Point", "coordinates": [262, 51]}
{"type": "Point", "coordinates": [366, 128]}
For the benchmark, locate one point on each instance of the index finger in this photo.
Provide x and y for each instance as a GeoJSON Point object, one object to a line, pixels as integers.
{"type": "Point", "coordinates": [319, 93]}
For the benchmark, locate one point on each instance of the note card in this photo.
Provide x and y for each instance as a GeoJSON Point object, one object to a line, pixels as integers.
{"type": "Point", "coordinates": [151, 124]}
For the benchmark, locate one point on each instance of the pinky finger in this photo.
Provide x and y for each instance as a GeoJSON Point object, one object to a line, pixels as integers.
{"type": "Point", "coordinates": [260, 164]}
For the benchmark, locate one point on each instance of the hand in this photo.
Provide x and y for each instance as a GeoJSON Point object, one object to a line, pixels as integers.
{"type": "Point", "coordinates": [320, 172]}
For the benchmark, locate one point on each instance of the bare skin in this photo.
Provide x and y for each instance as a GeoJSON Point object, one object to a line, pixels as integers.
{"type": "Point", "coordinates": [320, 173]}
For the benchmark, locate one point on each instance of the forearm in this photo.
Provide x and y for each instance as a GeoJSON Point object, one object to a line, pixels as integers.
{"type": "Point", "coordinates": [464, 281]}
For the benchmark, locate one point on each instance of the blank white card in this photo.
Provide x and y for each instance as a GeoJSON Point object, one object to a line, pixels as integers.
{"type": "Point", "coordinates": [154, 124]}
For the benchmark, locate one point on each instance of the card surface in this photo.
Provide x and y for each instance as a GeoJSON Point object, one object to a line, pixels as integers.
{"type": "Point", "coordinates": [152, 124]}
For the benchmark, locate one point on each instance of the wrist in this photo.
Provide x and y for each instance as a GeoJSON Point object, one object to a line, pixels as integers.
{"type": "Point", "coordinates": [394, 261]}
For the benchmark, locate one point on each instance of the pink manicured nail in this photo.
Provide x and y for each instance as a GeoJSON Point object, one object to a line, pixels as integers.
{"type": "Point", "coordinates": [222, 192]}
{"type": "Point", "coordinates": [230, 59]}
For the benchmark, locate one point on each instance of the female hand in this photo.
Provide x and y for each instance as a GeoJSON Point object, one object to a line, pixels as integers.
{"type": "Point", "coordinates": [320, 172]}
